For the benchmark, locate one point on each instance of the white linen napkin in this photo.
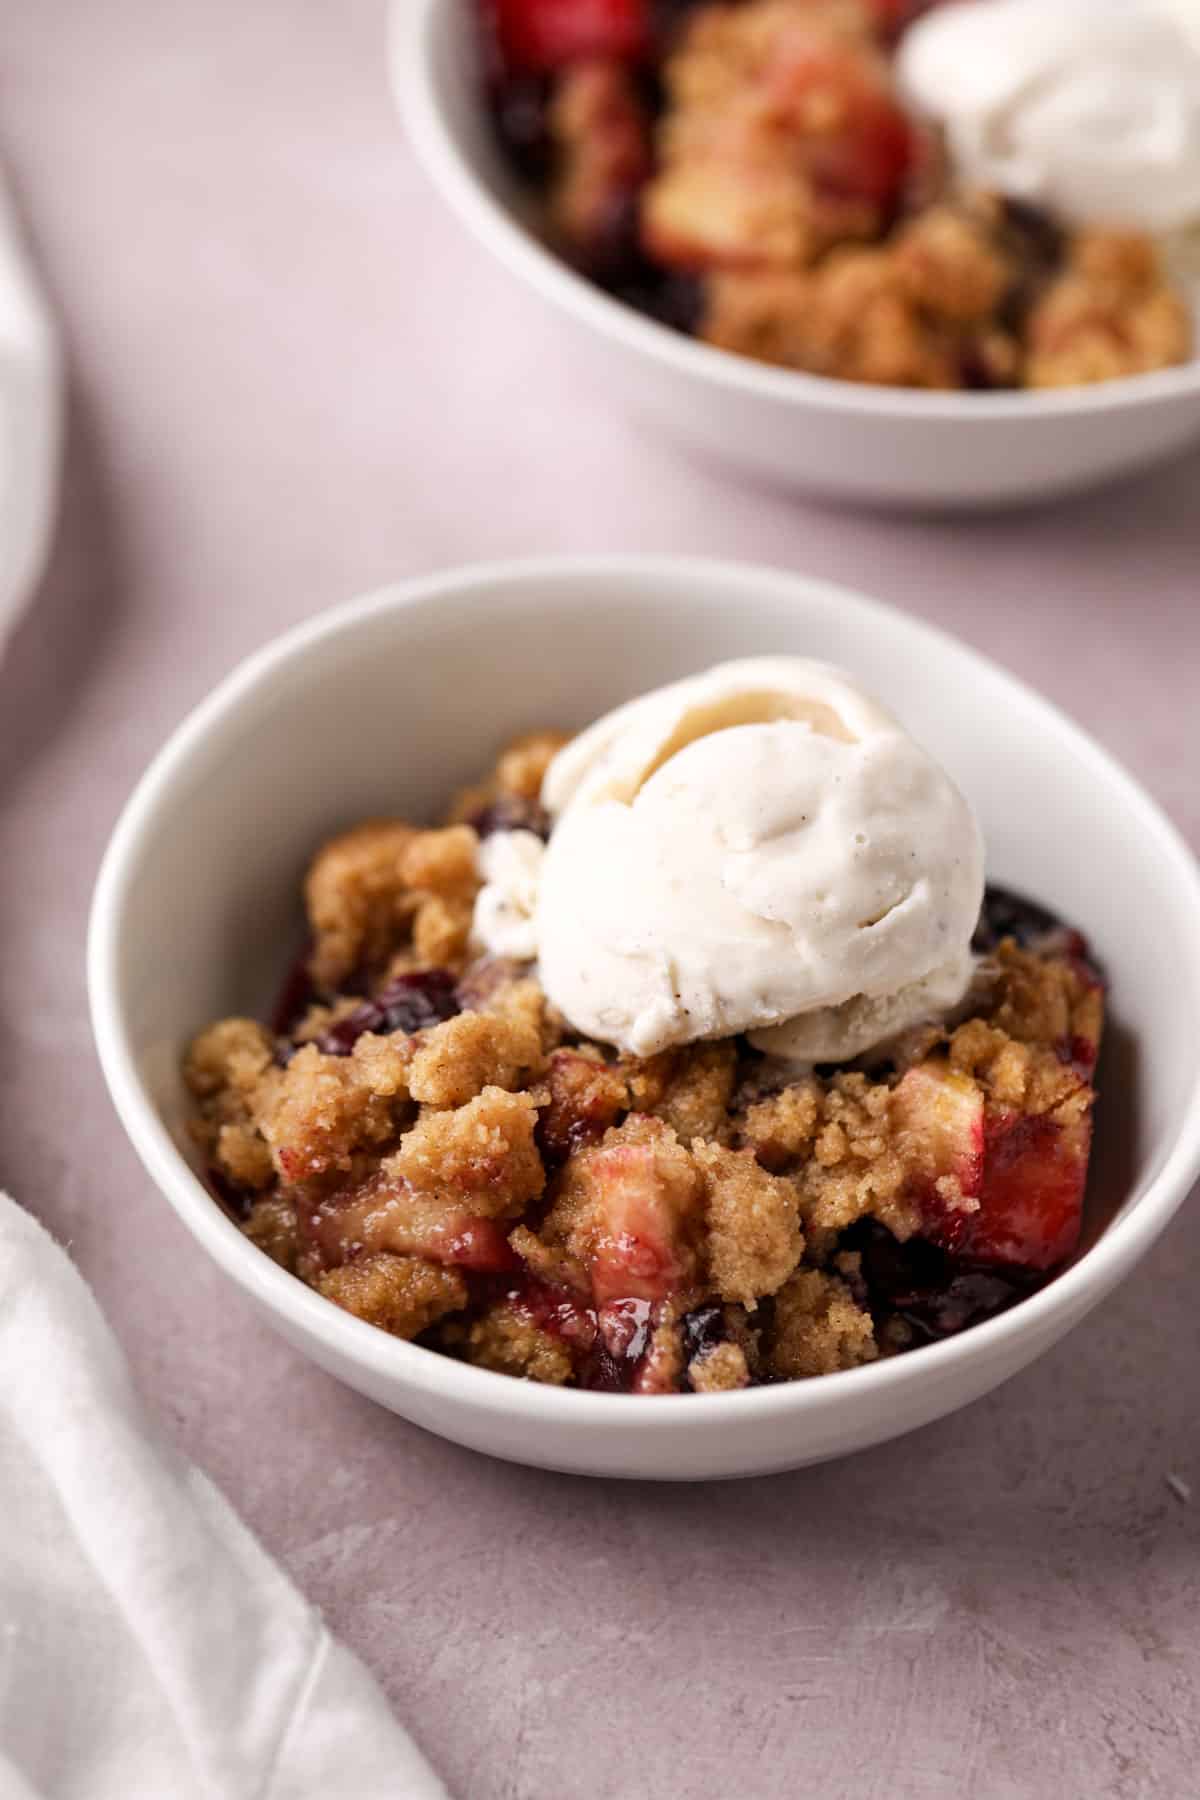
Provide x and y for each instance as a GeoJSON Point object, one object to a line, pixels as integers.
{"type": "Point", "coordinates": [149, 1649]}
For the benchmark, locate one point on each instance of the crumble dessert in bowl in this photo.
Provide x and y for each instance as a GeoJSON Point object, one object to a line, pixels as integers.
{"type": "Point", "coordinates": [939, 255]}
{"type": "Point", "coordinates": [729, 1081]}
{"type": "Point", "coordinates": [966, 194]}
{"type": "Point", "coordinates": [448, 1141]}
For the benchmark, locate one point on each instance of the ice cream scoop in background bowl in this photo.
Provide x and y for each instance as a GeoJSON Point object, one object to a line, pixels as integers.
{"type": "Point", "coordinates": [1088, 107]}
{"type": "Point", "coordinates": [881, 446]}
{"type": "Point", "coordinates": [436, 675]}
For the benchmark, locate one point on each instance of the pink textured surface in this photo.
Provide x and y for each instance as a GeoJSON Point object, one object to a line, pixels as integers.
{"type": "Point", "coordinates": [293, 379]}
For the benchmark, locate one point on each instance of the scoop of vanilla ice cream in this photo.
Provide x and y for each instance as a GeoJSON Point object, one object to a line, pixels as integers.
{"type": "Point", "coordinates": [510, 864]}
{"type": "Point", "coordinates": [868, 1021]}
{"type": "Point", "coordinates": [759, 849]}
{"type": "Point", "coordinates": [1089, 106]}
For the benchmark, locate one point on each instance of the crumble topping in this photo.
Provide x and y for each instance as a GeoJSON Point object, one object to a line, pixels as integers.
{"type": "Point", "coordinates": [919, 311]}
{"type": "Point", "coordinates": [357, 905]}
{"type": "Point", "coordinates": [754, 1236]}
{"type": "Point", "coordinates": [1112, 312]}
{"type": "Point", "coordinates": [482, 1153]}
{"type": "Point", "coordinates": [719, 1370]}
{"type": "Point", "coordinates": [934, 307]}
{"type": "Point", "coordinates": [818, 1328]}
{"type": "Point", "coordinates": [271, 1224]}
{"type": "Point", "coordinates": [432, 1148]}
{"type": "Point", "coordinates": [506, 1339]}
{"type": "Point", "coordinates": [224, 1071]}
{"type": "Point", "coordinates": [400, 1294]}
{"type": "Point", "coordinates": [689, 1089]}
{"type": "Point", "coordinates": [472, 1051]}
{"type": "Point", "coordinates": [321, 1114]}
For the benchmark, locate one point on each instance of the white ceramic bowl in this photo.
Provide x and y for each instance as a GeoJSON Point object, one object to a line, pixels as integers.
{"type": "Point", "coordinates": [883, 446]}
{"type": "Point", "coordinates": [389, 703]}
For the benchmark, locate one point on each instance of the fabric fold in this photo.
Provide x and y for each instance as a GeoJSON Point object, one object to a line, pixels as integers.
{"type": "Point", "coordinates": [148, 1645]}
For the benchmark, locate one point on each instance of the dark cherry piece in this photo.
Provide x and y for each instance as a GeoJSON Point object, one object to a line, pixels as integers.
{"type": "Point", "coordinates": [520, 109]}
{"type": "Point", "coordinates": [1039, 237]}
{"type": "Point", "coordinates": [602, 1372]}
{"type": "Point", "coordinates": [234, 1200]}
{"type": "Point", "coordinates": [703, 1330]}
{"type": "Point", "coordinates": [937, 1296]}
{"type": "Point", "coordinates": [511, 813]}
{"type": "Point", "coordinates": [976, 373]}
{"type": "Point", "coordinates": [607, 1343]}
{"type": "Point", "coordinates": [295, 996]}
{"type": "Point", "coordinates": [1037, 243]}
{"type": "Point", "coordinates": [554, 1146]}
{"type": "Point", "coordinates": [613, 255]}
{"type": "Point", "coordinates": [1006, 914]}
{"type": "Point", "coordinates": [667, 18]}
{"type": "Point", "coordinates": [411, 1002]}
{"type": "Point", "coordinates": [674, 300]}
{"type": "Point", "coordinates": [623, 1329]}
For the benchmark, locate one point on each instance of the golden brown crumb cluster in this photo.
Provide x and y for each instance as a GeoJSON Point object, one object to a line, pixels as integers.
{"type": "Point", "coordinates": [400, 1294]}
{"type": "Point", "coordinates": [818, 1329]}
{"type": "Point", "coordinates": [505, 1338]}
{"type": "Point", "coordinates": [910, 313]}
{"type": "Point", "coordinates": [1112, 312]}
{"type": "Point", "coordinates": [929, 308]}
{"type": "Point", "coordinates": [357, 904]}
{"type": "Point", "coordinates": [438, 1154]}
{"type": "Point", "coordinates": [224, 1071]}
{"type": "Point", "coordinates": [480, 1155]}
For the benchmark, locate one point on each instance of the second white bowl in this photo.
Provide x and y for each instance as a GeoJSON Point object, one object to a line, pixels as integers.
{"type": "Point", "coordinates": [883, 446]}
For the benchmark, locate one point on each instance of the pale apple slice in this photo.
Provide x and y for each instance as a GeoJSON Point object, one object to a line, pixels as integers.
{"type": "Point", "coordinates": [939, 1116]}
{"type": "Point", "coordinates": [648, 1195]}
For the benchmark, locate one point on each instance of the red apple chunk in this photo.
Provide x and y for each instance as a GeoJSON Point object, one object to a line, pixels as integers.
{"type": "Point", "coordinates": [999, 1188]}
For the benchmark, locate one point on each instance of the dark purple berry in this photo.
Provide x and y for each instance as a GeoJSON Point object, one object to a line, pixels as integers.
{"type": "Point", "coordinates": [673, 300]}
{"type": "Point", "coordinates": [602, 1372]}
{"type": "Point", "coordinates": [1037, 247]}
{"type": "Point", "coordinates": [612, 255]}
{"type": "Point", "coordinates": [974, 370]}
{"type": "Point", "coordinates": [703, 1329]}
{"type": "Point", "coordinates": [1034, 234]}
{"type": "Point", "coordinates": [967, 1299]}
{"type": "Point", "coordinates": [295, 996]}
{"type": "Point", "coordinates": [511, 813]}
{"type": "Point", "coordinates": [1006, 914]}
{"type": "Point", "coordinates": [235, 1200]}
{"type": "Point", "coordinates": [520, 107]}
{"type": "Point", "coordinates": [411, 1002]}
{"type": "Point", "coordinates": [933, 1293]}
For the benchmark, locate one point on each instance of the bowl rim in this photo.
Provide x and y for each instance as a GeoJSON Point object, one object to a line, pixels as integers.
{"type": "Point", "coordinates": [411, 29]}
{"type": "Point", "coordinates": [411, 1366]}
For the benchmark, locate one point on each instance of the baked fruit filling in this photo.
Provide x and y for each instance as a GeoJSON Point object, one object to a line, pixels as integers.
{"type": "Point", "coordinates": [753, 172]}
{"type": "Point", "coordinates": [420, 1136]}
